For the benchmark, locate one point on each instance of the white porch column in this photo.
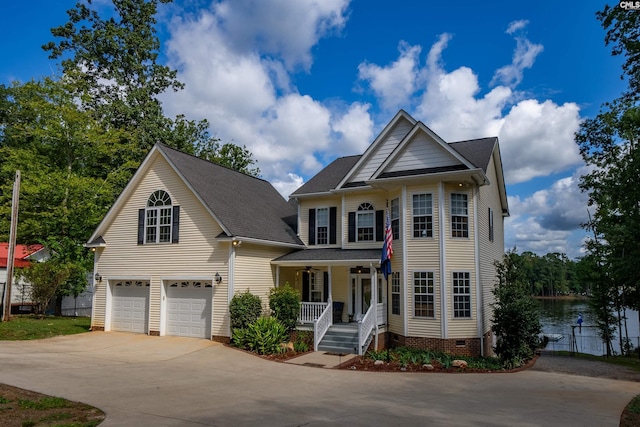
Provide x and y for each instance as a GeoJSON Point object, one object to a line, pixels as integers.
{"type": "Point", "coordinates": [374, 299]}
{"type": "Point", "coordinates": [330, 287]}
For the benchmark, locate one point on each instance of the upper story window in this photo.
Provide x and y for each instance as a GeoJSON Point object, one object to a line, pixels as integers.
{"type": "Point", "coordinates": [365, 222]}
{"type": "Point", "coordinates": [395, 218]}
{"type": "Point", "coordinates": [422, 215]}
{"type": "Point", "coordinates": [159, 221]}
{"type": "Point", "coordinates": [459, 215]}
{"type": "Point", "coordinates": [322, 226]}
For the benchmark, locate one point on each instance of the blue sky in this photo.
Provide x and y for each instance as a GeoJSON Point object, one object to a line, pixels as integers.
{"type": "Point", "coordinates": [300, 82]}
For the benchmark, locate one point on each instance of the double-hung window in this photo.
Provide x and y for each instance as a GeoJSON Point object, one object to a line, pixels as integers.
{"type": "Point", "coordinates": [423, 298]}
{"type": "Point", "coordinates": [395, 292]}
{"type": "Point", "coordinates": [461, 294]}
{"type": "Point", "coordinates": [158, 218]}
{"type": "Point", "coordinates": [459, 215]}
{"type": "Point", "coordinates": [322, 226]}
{"type": "Point", "coordinates": [395, 218]}
{"type": "Point", "coordinates": [365, 222]}
{"type": "Point", "coordinates": [422, 215]}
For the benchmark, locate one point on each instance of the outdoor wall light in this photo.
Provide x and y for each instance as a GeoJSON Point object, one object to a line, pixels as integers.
{"type": "Point", "coordinates": [98, 277]}
{"type": "Point", "coordinates": [218, 278]}
{"type": "Point", "coordinates": [237, 243]}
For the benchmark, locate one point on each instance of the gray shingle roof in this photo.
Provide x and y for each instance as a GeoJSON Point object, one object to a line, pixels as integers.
{"type": "Point", "coordinates": [246, 206]}
{"type": "Point", "coordinates": [329, 177]}
{"type": "Point", "coordinates": [477, 151]}
{"type": "Point", "coordinates": [331, 254]}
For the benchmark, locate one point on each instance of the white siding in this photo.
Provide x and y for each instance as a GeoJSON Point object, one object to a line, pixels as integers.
{"type": "Point", "coordinates": [383, 151]}
{"type": "Point", "coordinates": [420, 153]}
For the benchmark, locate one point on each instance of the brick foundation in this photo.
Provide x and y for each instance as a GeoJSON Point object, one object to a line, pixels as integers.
{"type": "Point", "coordinates": [154, 333]}
{"type": "Point", "coordinates": [453, 346]}
{"type": "Point", "coordinates": [97, 328]}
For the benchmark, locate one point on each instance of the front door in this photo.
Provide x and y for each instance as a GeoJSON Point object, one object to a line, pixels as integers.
{"type": "Point", "coordinates": [360, 295]}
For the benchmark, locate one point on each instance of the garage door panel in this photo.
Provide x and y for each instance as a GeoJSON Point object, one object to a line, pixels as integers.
{"type": "Point", "coordinates": [130, 306]}
{"type": "Point", "coordinates": [189, 310]}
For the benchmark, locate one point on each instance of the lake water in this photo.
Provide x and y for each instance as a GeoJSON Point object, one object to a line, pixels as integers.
{"type": "Point", "coordinates": [558, 317]}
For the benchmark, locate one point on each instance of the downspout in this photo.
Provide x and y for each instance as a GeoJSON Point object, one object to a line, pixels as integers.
{"type": "Point", "coordinates": [479, 296]}
{"type": "Point", "coordinates": [443, 261]}
{"type": "Point", "coordinates": [230, 280]}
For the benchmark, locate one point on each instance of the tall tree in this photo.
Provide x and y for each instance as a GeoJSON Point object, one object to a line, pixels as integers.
{"type": "Point", "coordinates": [609, 146]}
{"type": "Point", "coordinates": [516, 319]}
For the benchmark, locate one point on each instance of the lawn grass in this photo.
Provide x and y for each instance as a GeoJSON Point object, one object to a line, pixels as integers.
{"type": "Point", "coordinates": [36, 327]}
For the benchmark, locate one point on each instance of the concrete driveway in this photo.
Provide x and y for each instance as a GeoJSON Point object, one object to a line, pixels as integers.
{"type": "Point", "coordinates": [168, 381]}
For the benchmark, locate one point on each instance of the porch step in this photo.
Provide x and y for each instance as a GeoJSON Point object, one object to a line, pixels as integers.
{"type": "Point", "coordinates": [340, 338]}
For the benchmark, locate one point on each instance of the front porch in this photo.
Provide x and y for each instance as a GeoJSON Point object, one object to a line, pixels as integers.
{"type": "Point", "coordinates": [344, 296]}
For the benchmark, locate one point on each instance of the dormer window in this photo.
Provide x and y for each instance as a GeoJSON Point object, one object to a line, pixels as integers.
{"type": "Point", "coordinates": [159, 221]}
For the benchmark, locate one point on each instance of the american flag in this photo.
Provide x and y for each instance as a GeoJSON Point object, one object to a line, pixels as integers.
{"type": "Point", "coordinates": [387, 249]}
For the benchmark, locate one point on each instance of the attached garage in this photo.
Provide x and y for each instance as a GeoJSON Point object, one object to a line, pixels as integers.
{"type": "Point", "coordinates": [189, 305]}
{"type": "Point", "coordinates": [130, 306]}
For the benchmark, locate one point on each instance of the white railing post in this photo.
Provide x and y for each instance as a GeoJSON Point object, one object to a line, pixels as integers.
{"type": "Point", "coordinates": [310, 311]}
{"type": "Point", "coordinates": [365, 326]}
{"type": "Point", "coordinates": [321, 325]}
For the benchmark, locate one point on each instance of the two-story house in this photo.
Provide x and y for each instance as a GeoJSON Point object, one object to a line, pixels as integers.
{"type": "Point", "coordinates": [205, 232]}
{"type": "Point", "coordinates": [446, 203]}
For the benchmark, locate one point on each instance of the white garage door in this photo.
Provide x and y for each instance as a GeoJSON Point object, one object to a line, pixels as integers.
{"type": "Point", "coordinates": [189, 309]}
{"type": "Point", "coordinates": [130, 306]}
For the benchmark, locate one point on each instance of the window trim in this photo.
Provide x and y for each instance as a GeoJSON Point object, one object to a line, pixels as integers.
{"type": "Point", "coordinates": [428, 297]}
{"type": "Point", "coordinates": [396, 289]}
{"type": "Point", "coordinates": [461, 297]}
{"type": "Point", "coordinates": [395, 218]}
{"type": "Point", "coordinates": [160, 207]}
{"type": "Point", "coordinates": [326, 226]}
{"type": "Point", "coordinates": [459, 229]}
{"type": "Point", "coordinates": [428, 218]}
{"type": "Point", "coordinates": [366, 209]}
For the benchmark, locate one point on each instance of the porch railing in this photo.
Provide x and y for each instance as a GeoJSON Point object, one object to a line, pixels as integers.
{"type": "Point", "coordinates": [310, 311]}
{"type": "Point", "coordinates": [321, 325]}
{"type": "Point", "coordinates": [365, 326]}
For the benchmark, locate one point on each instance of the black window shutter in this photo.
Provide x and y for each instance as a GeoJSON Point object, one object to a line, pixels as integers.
{"type": "Point", "coordinates": [326, 286]}
{"type": "Point", "coordinates": [312, 226]}
{"type": "Point", "coordinates": [379, 226]}
{"type": "Point", "coordinates": [352, 226]}
{"type": "Point", "coordinates": [175, 231]}
{"type": "Point", "coordinates": [305, 286]}
{"type": "Point", "coordinates": [333, 212]}
{"type": "Point", "coordinates": [140, 226]}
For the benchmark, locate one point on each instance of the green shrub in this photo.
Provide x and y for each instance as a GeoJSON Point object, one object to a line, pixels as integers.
{"type": "Point", "coordinates": [244, 309]}
{"type": "Point", "coordinates": [265, 336]}
{"type": "Point", "coordinates": [284, 302]}
{"type": "Point", "coordinates": [303, 341]}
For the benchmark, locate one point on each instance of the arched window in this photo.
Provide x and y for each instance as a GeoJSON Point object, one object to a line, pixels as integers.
{"type": "Point", "coordinates": [158, 222]}
{"type": "Point", "coordinates": [365, 222]}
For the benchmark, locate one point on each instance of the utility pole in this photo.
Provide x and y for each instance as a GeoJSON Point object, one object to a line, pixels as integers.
{"type": "Point", "coordinates": [12, 246]}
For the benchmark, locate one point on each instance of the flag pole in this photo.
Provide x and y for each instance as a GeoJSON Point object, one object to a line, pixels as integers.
{"type": "Point", "coordinates": [12, 246]}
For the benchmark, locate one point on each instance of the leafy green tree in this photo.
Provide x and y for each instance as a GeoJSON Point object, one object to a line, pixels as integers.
{"type": "Point", "coordinates": [64, 156]}
{"type": "Point", "coordinates": [45, 278]}
{"type": "Point", "coordinates": [516, 319]}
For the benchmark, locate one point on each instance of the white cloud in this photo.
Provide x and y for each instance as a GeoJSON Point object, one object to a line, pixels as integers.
{"type": "Point", "coordinates": [523, 57]}
{"type": "Point", "coordinates": [395, 83]}
{"type": "Point", "coordinates": [236, 58]}
{"type": "Point", "coordinates": [516, 25]}
{"type": "Point", "coordinates": [287, 29]}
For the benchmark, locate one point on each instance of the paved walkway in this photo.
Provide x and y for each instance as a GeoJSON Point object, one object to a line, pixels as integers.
{"type": "Point", "coordinates": [169, 381]}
